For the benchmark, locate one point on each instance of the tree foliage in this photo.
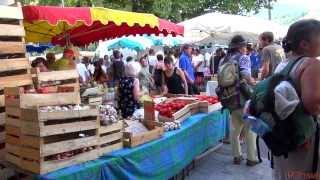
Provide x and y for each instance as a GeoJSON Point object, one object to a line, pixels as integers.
{"type": "Point", "coordinates": [175, 10]}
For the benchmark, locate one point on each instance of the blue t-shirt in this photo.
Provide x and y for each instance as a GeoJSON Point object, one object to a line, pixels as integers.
{"type": "Point", "coordinates": [255, 60]}
{"type": "Point", "coordinates": [185, 64]}
{"type": "Point", "coordinates": [245, 65]}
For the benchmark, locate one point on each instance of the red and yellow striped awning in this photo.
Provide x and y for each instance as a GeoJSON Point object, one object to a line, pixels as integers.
{"type": "Point", "coordinates": [83, 25]}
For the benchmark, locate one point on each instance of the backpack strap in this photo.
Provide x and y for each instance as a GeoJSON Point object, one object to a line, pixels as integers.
{"type": "Point", "coordinates": [315, 151]}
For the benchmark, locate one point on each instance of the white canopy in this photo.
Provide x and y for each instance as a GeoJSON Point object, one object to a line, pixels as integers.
{"type": "Point", "coordinates": [202, 26]}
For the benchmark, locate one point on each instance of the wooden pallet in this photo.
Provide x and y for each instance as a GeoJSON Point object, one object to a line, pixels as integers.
{"type": "Point", "coordinates": [44, 134]}
{"type": "Point", "coordinates": [56, 78]}
{"type": "Point", "coordinates": [110, 138]}
{"type": "Point", "coordinates": [133, 140]}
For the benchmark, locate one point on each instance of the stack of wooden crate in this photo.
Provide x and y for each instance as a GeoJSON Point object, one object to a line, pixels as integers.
{"type": "Point", "coordinates": [14, 65]}
{"type": "Point", "coordinates": [16, 100]}
{"type": "Point", "coordinates": [34, 137]}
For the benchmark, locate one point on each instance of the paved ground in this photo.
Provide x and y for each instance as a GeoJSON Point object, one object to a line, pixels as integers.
{"type": "Point", "coordinates": [218, 166]}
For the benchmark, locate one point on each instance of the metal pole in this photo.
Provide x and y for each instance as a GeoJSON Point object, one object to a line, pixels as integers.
{"type": "Point", "coordinates": [62, 3]}
{"type": "Point", "coordinates": [269, 9]}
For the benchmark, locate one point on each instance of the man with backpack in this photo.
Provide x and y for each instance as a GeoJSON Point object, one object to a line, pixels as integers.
{"type": "Point", "coordinates": [234, 81]}
{"type": "Point", "coordinates": [284, 107]}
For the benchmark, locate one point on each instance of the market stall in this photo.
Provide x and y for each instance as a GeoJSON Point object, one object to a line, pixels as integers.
{"type": "Point", "coordinates": [52, 132]}
{"type": "Point", "coordinates": [159, 159]}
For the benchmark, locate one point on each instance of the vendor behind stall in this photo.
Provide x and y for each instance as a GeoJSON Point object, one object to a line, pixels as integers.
{"type": "Point", "coordinates": [173, 78]}
{"type": "Point", "coordinates": [145, 77]}
{"type": "Point", "coordinates": [129, 90]}
{"type": "Point", "coordinates": [66, 62]}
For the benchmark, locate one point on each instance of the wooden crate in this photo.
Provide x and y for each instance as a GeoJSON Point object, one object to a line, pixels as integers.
{"type": "Point", "coordinates": [44, 134]}
{"type": "Point", "coordinates": [110, 138]}
{"type": "Point", "coordinates": [133, 140]}
{"type": "Point", "coordinates": [56, 78]}
{"type": "Point", "coordinates": [16, 97]}
{"type": "Point", "coordinates": [182, 114]}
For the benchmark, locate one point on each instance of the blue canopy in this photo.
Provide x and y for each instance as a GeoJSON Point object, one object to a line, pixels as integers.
{"type": "Point", "coordinates": [38, 48]}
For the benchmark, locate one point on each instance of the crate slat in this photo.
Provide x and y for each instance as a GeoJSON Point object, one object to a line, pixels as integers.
{"type": "Point", "coordinates": [34, 115]}
{"type": "Point", "coordinates": [55, 148]}
{"type": "Point", "coordinates": [11, 30]}
{"type": "Point", "coordinates": [31, 128]}
{"type": "Point", "coordinates": [13, 159]}
{"type": "Point", "coordinates": [12, 140]}
{"type": "Point", "coordinates": [57, 75]}
{"type": "Point", "coordinates": [2, 118]}
{"type": "Point", "coordinates": [2, 101]}
{"type": "Point", "coordinates": [132, 140]}
{"type": "Point", "coordinates": [9, 47]}
{"type": "Point", "coordinates": [13, 111]}
{"type": "Point", "coordinates": [14, 64]}
{"type": "Point", "coordinates": [109, 128]}
{"type": "Point", "coordinates": [48, 166]}
{"type": "Point", "coordinates": [31, 100]}
{"type": "Point", "coordinates": [13, 122]}
{"type": "Point", "coordinates": [111, 137]}
{"type": "Point", "coordinates": [10, 12]}
{"type": "Point", "coordinates": [107, 149]}
{"type": "Point", "coordinates": [13, 130]}
{"type": "Point", "coordinates": [13, 149]}
{"type": "Point", "coordinates": [15, 80]}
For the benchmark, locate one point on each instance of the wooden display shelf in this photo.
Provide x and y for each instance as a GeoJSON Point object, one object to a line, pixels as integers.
{"type": "Point", "coordinates": [110, 138]}
{"type": "Point", "coordinates": [133, 140]}
{"type": "Point", "coordinates": [46, 134]}
{"type": "Point", "coordinates": [56, 78]}
{"type": "Point", "coordinates": [16, 97]}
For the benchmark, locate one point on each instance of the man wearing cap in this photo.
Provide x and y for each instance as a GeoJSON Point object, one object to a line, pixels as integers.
{"type": "Point", "coordinates": [66, 62]}
{"type": "Point", "coordinates": [186, 66]}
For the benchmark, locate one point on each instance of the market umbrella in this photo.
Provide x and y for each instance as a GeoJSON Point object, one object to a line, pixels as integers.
{"type": "Point", "coordinates": [83, 25]}
{"type": "Point", "coordinates": [128, 43]}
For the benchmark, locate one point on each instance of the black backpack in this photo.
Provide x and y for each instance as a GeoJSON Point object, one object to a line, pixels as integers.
{"type": "Point", "coordinates": [291, 133]}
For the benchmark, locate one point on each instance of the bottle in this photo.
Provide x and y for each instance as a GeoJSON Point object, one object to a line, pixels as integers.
{"type": "Point", "coordinates": [257, 125]}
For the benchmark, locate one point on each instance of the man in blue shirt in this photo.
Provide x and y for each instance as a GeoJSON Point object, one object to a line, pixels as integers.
{"type": "Point", "coordinates": [185, 65]}
{"type": "Point", "coordinates": [255, 61]}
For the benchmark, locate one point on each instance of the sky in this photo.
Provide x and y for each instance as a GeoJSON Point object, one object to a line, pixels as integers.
{"type": "Point", "coordinates": [287, 11]}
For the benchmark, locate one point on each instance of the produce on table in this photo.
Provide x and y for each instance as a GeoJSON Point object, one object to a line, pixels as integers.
{"type": "Point", "coordinates": [170, 126]}
{"type": "Point", "coordinates": [135, 127]}
{"type": "Point", "coordinates": [169, 108]}
{"type": "Point", "coordinates": [108, 114]}
{"type": "Point", "coordinates": [77, 107]}
{"type": "Point", "coordinates": [209, 99]}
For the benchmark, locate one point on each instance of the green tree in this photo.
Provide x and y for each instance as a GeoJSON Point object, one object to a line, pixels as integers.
{"type": "Point", "coordinates": [175, 10]}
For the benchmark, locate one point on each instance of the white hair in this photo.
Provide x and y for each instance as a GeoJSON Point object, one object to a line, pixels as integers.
{"type": "Point", "coordinates": [132, 68]}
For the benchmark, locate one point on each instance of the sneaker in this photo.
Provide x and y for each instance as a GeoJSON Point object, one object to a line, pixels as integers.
{"type": "Point", "coordinates": [237, 160]}
{"type": "Point", "coordinates": [252, 163]}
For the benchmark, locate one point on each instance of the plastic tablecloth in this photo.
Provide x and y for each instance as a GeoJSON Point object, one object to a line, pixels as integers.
{"type": "Point", "coordinates": [159, 159]}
